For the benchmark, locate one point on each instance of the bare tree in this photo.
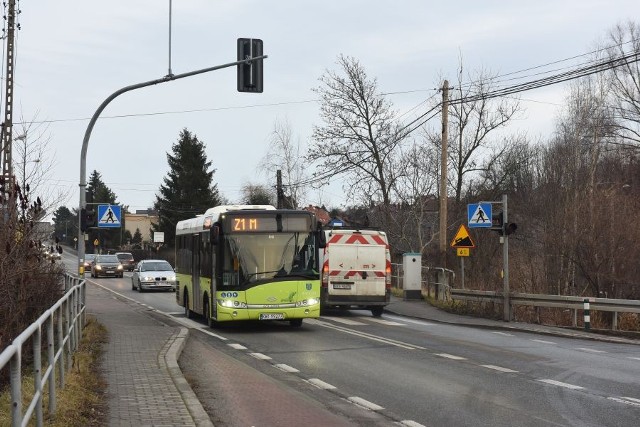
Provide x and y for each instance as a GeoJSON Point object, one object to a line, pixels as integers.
{"type": "Point", "coordinates": [359, 136]}
{"type": "Point", "coordinates": [286, 154]}
{"type": "Point", "coordinates": [625, 93]}
{"type": "Point", "coordinates": [473, 119]}
{"type": "Point", "coordinates": [256, 194]}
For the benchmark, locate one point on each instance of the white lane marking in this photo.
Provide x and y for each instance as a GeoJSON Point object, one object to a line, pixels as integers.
{"type": "Point", "coordinates": [561, 384]}
{"type": "Point", "coordinates": [502, 333]}
{"type": "Point", "coordinates": [220, 337]}
{"type": "Point", "coordinates": [365, 403]}
{"type": "Point", "coordinates": [626, 400]}
{"type": "Point", "coordinates": [498, 368]}
{"type": "Point", "coordinates": [237, 346]}
{"type": "Point", "coordinates": [286, 368]}
{"type": "Point", "coordinates": [634, 358]}
{"type": "Point", "coordinates": [175, 313]}
{"type": "Point", "coordinates": [450, 356]}
{"type": "Point", "coordinates": [590, 350]}
{"type": "Point", "coordinates": [320, 384]}
{"type": "Point", "coordinates": [410, 423]}
{"type": "Point", "coordinates": [365, 335]}
{"type": "Point", "coordinates": [544, 342]}
{"type": "Point", "coordinates": [260, 356]}
{"type": "Point", "coordinates": [343, 320]}
{"type": "Point", "coordinates": [382, 321]}
{"type": "Point", "coordinates": [407, 320]}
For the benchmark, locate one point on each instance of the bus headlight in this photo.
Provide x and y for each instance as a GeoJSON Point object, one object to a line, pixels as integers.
{"type": "Point", "coordinates": [307, 302]}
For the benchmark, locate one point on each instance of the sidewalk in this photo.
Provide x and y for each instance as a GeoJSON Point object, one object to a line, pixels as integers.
{"type": "Point", "coordinates": [145, 386]}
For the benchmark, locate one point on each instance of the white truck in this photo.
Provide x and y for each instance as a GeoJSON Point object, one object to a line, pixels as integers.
{"type": "Point", "coordinates": [356, 270]}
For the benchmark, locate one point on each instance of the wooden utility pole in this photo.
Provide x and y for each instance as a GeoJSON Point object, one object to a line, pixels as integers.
{"type": "Point", "coordinates": [7, 125]}
{"type": "Point", "coordinates": [443, 174]}
{"type": "Point", "coordinates": [279, 190]}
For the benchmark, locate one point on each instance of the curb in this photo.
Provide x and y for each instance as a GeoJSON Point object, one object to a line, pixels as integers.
{"type": "Point", "coordinates": [169, 358]}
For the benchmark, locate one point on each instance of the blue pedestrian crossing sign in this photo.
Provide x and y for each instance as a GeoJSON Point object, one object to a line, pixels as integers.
{"type": "Point", "coordinates": [479, 215]}
{"type": "Point", "coordinates": [109, 216]}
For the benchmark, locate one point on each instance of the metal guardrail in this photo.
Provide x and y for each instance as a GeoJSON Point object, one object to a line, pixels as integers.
{"type": "Point", "coordinates": [558, 301]}
{"type": "Point", "coordinates": [67, 317]}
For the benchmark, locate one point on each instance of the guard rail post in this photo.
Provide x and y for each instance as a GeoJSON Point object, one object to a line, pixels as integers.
{"type": "Point", "coordinates": [587, 317]}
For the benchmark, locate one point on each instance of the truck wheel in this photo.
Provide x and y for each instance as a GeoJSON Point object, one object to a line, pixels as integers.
{"type": "Point", "coordinates": [377, 311]}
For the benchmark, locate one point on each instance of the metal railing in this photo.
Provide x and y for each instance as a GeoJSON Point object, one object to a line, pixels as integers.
{"type": "Point", "coordinates": [574, 303]}
{"type": "Point", "coordinates": [435, 281]}
{"type": "Point", "coordinates": [65, 318]}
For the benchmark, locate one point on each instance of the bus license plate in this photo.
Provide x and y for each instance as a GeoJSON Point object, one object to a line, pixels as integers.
{"type": "Point", "coordinates": [271, 316]}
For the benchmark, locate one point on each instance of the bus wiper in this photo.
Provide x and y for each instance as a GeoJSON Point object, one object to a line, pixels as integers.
{"type": "Point", "coordinates": [263, 272]}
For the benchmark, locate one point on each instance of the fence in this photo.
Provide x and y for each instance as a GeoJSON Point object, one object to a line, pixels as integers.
{"type": "Point", "coordinates": [574, 303]}
{"type": "Point", "coordinates": [434, 280]}
{"type": "Point", "coordinates": [67, 318]}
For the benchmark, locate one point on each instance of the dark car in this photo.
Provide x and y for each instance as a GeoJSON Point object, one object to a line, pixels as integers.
{"type": "Point", "coordinates": [106, 265]}
{"type": "Point", "coordinates": [88, 258]}
{"type": "Point", "coordinates": [127, 261]}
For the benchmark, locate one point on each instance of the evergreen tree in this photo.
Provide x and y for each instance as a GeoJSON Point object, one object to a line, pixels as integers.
{"type": "Point", "coordinates": [188, 188]}
{"type": "Point", "coordinates": [137, 237]}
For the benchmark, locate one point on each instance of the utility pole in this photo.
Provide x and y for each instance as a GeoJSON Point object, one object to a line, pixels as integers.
{"type": "Point", "coordinates": [7, 125]}
{"type": "Point", "coordinates": [443, 174]}
{"type": "Point", "coordinates": [279, 191]}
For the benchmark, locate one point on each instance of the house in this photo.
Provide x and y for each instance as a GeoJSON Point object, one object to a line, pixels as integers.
{"type": "Point", "coordinates": [141, 220]}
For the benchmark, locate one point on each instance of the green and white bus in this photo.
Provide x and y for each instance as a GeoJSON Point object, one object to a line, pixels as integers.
{"type": "Point", "coordinates": [249, 262]}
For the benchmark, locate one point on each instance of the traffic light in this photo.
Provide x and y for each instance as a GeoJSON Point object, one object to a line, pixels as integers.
{"type": "Point", "coordinates": [87, 219]}
{"type": "Point", "coordinates": [497, 224]}
{"type": "Point", "coordinates": [250, 74]}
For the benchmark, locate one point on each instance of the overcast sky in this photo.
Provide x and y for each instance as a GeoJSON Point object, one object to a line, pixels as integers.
{"type": "Point", "coordinates": [71, 55]}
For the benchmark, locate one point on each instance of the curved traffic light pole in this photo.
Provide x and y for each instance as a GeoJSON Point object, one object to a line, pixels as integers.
{"type": "Point", "coordinates": [92, 122]}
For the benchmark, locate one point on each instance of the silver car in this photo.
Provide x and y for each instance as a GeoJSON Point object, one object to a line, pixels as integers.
{"type": "Point", "coordinates": [153, 274]}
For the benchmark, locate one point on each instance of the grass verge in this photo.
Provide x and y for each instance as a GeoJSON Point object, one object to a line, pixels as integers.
{"type": "Point", "coordinates": [82, 401]}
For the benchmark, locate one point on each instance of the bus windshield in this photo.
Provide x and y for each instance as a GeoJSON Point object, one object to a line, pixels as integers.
{"type": "Point", "coordinates": [250, 258]}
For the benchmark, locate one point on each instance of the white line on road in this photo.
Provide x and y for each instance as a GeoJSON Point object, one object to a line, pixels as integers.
{"type": "Point", "coordinates": [626, 400]}
{"type": "Point", "coordinates": [561, 384]}
{"type": "Point", "coordinates": [260, 356]}
{"type": "Point", "coordinates": [365, 335]}
{"type": "Point", "coordinates": [450, 356]}
{"type": "Point", "coordinates": [407, 320]}
{"type": "Point", "coordinates": [365, 403]}
{"type": "Point", "coordinates": [344, 321]}
{"type": "Point", "coordinates": [544, 342]}
{"type": "Point", "coordinates": [590, 350]}
{"type": "Point", "coordinates": [381, 321]}
{"type": "Point", "coordinates": [503, 333]}
{"type": "Point", "coordinates": [410, 423]}
{"type": "Point", "coordinates": [237, 346]}
{"type": "Point", "coordinates": [320, 384]}
{"type": "Point", "coordinates": [634, 358]}
{"type": "Point", "coordinates": [498, 368]}
{"type": "Point", "coordinates": [286, 368]}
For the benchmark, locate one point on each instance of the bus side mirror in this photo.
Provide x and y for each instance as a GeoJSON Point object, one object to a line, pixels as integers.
{"type": "Point", "coordinates": [322, 239]}
{"type": "Point", "coordinates": [215, 234]}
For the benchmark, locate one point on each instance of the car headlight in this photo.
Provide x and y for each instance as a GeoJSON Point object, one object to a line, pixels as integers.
{"type": "Point", "coordinates": [98, 267]}
{"type": "Point", "coordinates": [148, 279]}
{"type": "Point", "coordinates": [120, 267]}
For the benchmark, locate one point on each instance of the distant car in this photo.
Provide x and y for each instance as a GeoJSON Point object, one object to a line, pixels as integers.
{"type": "Point", "coordinates": [127, 261]}
{"type": "Point", "coordinates": [106, 265]}
{"type": "Point", "coordinates": [87, 261]}
{"type": "Point", "coordinates": [153, 274]}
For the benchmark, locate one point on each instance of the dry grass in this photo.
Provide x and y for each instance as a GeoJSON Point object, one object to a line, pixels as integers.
{"type": "Point", "coordinates": [82, 401]}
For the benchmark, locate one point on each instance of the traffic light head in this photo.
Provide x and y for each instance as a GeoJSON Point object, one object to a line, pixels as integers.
{"type": "Point", "coordinates": [510, 228]}
{"type": "Point", "coordinates": [88, 219]}
{"type": "Point", "coordinates": [498, 224]}
{"type": "Point", "coordinates": [250, 74]}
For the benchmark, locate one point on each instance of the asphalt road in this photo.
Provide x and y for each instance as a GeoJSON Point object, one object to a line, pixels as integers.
{"type": "Point", "coordinates": [405, 370]}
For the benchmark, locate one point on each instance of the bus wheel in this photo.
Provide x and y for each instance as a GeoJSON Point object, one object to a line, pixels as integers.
{"type": "Point", "coordinates": [187, 312]}
{"type": "Point", "coordinates": [210, 322]}
{"type": "Point", "coordinates": [377, 311]}
{"type": "Point", "coordinates": [296, 323]}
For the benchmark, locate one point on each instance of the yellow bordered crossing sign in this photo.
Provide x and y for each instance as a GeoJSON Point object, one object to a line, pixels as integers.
{"type": "Point", "coordinates": [462, 238]}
